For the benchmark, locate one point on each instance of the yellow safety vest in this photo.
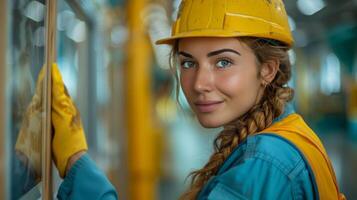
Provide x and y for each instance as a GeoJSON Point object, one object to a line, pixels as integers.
{"type": "Point", "coordinates": [294, 129]}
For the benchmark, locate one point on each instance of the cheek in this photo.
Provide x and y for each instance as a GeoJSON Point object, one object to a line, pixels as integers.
{"type": "Point", "coordinates": [186, 82]}
{"type": "Point", "coordinates": [240, 83]}
{"type": "Point", "coordinates": [241, 89]}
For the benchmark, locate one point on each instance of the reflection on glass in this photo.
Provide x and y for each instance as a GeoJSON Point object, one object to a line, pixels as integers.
{"type": "Point", "coordinates": [27, 57]}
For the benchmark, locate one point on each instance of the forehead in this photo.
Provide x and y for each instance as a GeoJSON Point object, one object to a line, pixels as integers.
{"type": "Point", "coordinates": [204, 44]}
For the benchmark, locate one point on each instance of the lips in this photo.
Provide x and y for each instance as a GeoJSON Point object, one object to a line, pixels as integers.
{"type": "Point", "coordinates": [207, 106]}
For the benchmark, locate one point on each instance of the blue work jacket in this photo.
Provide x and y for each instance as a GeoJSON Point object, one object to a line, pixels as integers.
{"type": "Point", "coordinates": [262, 167]}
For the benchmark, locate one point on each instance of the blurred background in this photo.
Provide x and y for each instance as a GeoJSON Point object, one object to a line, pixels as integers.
{"type": "Point", "coordinates": [121, 82]}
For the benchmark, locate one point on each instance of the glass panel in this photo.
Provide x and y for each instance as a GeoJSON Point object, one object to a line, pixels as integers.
{"type": "Point", "coordinates": [73, 56]}
{"type": "Point", "coordinates": [89, 58]}
{"type": "Point", "coordinates": [75, 64]}
{"type": "Point", "coordinates": [27, 35]}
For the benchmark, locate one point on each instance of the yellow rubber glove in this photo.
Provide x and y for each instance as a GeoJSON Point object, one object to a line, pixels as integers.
{"type": "Point", "coordinates": [69, 137]}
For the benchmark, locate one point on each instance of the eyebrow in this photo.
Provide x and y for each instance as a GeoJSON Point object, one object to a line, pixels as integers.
{"type": "Point", "coordinates": [213, 53]}
{"type": "Point", "coordinates": [185, 54]}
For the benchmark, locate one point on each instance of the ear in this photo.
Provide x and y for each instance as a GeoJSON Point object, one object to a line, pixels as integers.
{"type": "Point", "coordinates": [269, 70]}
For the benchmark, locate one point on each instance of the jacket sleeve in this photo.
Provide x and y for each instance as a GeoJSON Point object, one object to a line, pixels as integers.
{"type": "Point", "coordinates": [85, 181]}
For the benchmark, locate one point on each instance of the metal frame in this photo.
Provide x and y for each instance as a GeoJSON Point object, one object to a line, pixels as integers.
{"type": "Point", "coordinates": [3, 39]}
{"type": "Point", "coordinates": [50, 58]}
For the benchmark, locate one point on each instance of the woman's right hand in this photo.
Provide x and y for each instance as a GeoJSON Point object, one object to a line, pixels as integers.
{"type": "Point", "coordinates": [69, 141]}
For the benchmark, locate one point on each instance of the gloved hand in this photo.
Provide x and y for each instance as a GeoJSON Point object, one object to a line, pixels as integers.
{"type": "Point", "coordinates": [69, 137]}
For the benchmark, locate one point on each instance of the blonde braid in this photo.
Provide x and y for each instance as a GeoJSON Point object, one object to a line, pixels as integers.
{"type": "Point", "coordinates": [260, 116]}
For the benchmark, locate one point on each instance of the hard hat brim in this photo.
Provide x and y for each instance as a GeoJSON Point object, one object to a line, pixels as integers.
{"type": "Point", "coordinates": [224, 34]}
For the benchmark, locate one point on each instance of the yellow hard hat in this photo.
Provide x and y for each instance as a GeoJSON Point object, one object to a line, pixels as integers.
{"type": "Point", "coordinates": [231, 18]}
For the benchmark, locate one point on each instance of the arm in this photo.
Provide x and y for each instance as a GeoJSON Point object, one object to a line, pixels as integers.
{"type": "Point", "coordinates": [85, 181]}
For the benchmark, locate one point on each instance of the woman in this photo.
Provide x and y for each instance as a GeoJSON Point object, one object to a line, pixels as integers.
{"type": "Point", "coordinates": [233, 68]}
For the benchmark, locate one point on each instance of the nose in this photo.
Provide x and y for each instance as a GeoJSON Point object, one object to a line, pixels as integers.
{"type": "Point", "coordinates": [204, 80]}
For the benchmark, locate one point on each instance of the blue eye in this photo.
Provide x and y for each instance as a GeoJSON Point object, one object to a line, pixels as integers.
{"type": "Point", "coordinates": [223, 63]}
{"type": "Point", "coordinates": [187, 64]}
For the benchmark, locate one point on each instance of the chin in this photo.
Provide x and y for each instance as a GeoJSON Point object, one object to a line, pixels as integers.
{"type": "Point", "coordinates": [207, 123]}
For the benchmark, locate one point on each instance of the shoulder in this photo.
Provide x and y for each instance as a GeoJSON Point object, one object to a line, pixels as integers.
{"type": "Point", "coordinates": [262, 167]}
{"type": "Point", "coordinates": [269, 150]}
{"type": "Point", "coordinates": [275, 150]}
{"type": "Point", "coordinates": [268, 165]}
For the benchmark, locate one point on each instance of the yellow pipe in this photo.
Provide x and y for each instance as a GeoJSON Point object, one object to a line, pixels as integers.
{"type": "Point", "coordinates": [141, 148]}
